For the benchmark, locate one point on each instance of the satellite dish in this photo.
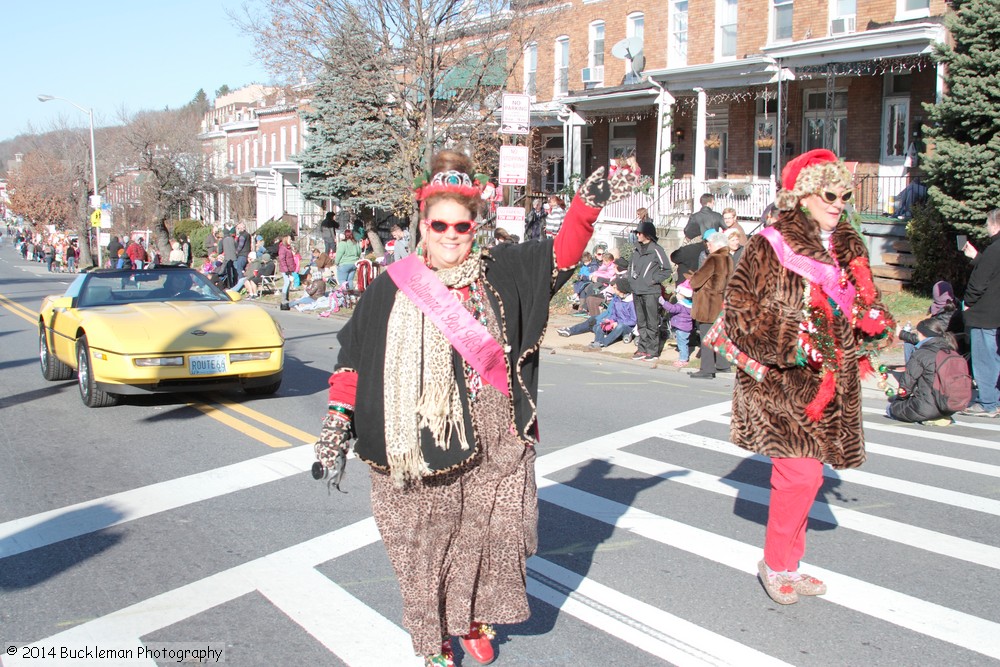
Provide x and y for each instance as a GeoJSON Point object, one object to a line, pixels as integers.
{"type": "Point", "coordinates": [638, 62]}
{"type": "Point", "coordinates": [631, 49]}
{"type": "Point", "coordinates": [627, 48]}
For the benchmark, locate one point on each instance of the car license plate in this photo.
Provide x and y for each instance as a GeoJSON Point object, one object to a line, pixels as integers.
{"type": "Point", "coordinates": [207, 364]}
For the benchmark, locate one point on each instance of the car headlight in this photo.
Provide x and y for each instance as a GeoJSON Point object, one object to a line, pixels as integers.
{"type": "Point", "coordinates": [159, 361]}
{"type": "Point", "coordinates": [248, 356]}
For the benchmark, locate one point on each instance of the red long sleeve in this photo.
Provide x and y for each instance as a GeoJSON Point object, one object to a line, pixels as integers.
{"type": "Point", "coordinates": [575, 233]}
{"type": "Point", "coordinates": [344, 387]}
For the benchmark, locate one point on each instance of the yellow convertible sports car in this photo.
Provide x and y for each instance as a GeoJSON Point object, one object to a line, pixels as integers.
{"type": "Point", "coordinates": [167, 329]}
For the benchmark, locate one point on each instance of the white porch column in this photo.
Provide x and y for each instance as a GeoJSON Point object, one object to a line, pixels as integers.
{"type": "Point", "coordinates": [700, 134]}
{"type": "Point", "coordinates": [664, 139]}
{"type": "Point", "coordinates": [574, 149]}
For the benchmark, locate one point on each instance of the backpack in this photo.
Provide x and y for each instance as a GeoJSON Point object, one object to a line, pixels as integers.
{"type": "Point", "coordinates": [952, 389]}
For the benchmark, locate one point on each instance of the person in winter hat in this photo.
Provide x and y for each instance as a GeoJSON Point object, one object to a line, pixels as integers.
{"type": "Point", "coordinates": [802, 302]}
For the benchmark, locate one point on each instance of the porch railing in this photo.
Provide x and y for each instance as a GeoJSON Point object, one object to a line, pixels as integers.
{"type": "Point", "coordinates": [749, 198]}
{"type": "Point", "coordinates": [878, 195]}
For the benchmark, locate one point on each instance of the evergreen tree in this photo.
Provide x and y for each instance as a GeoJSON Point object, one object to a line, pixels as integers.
{"type": "Point", "coordinates": [353, 150]}
{"type": "Point", "coordinates": [964, 128]}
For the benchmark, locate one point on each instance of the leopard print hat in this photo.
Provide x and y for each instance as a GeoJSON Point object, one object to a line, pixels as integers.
{"type": "Point", "coordinates": [809, 173]}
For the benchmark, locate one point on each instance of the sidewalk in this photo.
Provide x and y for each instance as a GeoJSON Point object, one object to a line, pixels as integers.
{"type": "Point", "coordinates": [553, 343]}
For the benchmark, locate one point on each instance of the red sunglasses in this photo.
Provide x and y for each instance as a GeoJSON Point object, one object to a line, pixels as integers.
{"type": "Point", "coordinates": [462, 226]}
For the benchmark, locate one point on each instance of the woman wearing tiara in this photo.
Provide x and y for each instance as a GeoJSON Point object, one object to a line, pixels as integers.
{"type": "Point", "coordinates": [443, 405]}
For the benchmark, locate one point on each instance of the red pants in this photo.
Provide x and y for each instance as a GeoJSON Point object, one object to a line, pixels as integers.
{"type": "Point", "coordinates": [794, 483]}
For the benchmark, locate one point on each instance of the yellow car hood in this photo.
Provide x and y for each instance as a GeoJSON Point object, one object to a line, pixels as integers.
{"type": "Point", "coordinates": [182, 326]}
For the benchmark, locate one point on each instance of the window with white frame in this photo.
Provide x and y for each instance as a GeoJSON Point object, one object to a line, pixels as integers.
{"type": "Point", "coordinates": [246, 152]}
{"type": "Point", "coordinates": [284, 143]}
{"type": "Point", "coordinates": [239, 159]}
{"type": "Point", "coordinates": [295, 139]}
{"type": "Point", "coordinates": [274, 145]}
{"type": "Point", "coordinates": [561, 73]}
{"type": "Point", "coordinates": [843, 16]}
{"type": "Point", "coordinates": [256, 154]}
{"type": "Point", "coordinates": [725, 22]}
{"type": "Point", "coordinates": [263, 149]}
{"type": "Point", "coordinates": [678, 56]}
{"type": "Point", "coordinates": [593, 75]}
{"type": "Point", "coordinates": [635, 26]}
{"type": "Point", "coordinates": [912, 9]}
{"type": "Point", "coordinates": [530, 69]}
{"type": "Point", "coordinates": [781, 19]}
{"type": "Point", "coordinates": [814, 125]}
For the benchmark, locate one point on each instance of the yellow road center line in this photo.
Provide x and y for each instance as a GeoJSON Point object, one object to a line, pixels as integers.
{"type": "Point", "coordinates": [277, 425]}
{"type": "Point", "coordinates": [244, 428]}
{"type": "Point", "coordinates": [18, 309]}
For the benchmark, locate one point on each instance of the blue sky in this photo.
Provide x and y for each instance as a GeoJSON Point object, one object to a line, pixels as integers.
{"type": "Point", "coordinates": [109, 54]}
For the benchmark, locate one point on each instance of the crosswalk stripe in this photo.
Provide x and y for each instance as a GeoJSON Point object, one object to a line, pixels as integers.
{"type": "Point", "coordinates": [349, 628]}
{"type": "Point", "coordinates": [661, 633]}
{"type": "Point", "coordinates": [928, 618]}
{"type": "Point", "coordinates": [854, 476]}
{"type": "Point", "coordinates": [125, 626]}
{"type": "Point", "coordinates": [934, 459]}
{"type": "Point", "coordinates": [44, 528]}
{"type": "Point", "coordinates": [924, 431]}
{"type": "Point", "coordinates": [882, 528]}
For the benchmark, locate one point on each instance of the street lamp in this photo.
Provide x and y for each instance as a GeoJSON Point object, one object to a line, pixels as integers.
{"type": "Point", "coordinates": [93, 159]}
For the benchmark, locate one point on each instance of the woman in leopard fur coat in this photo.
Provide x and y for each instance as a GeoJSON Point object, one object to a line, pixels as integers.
{"type": "Point", "coordinates": [802, 302]}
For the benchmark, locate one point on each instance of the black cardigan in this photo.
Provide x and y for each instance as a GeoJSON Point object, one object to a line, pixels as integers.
{"type": "Point", "coordinates": [519, 283]}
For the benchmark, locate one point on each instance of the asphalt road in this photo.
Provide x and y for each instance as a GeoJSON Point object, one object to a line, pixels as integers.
{"type": "Point", "coordinates": [192, 522]}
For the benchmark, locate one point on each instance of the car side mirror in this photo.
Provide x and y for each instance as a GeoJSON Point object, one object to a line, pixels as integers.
{"type": "Point", "coordinates": [234, 295]}
{"type": "Point", "coordinates": [62, 303]}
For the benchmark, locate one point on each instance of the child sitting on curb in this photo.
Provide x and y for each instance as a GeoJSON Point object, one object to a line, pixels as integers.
{"type": "Point", "coordinates": [610, 325]}
{"type": "Point", "coordinates": [680, 321]}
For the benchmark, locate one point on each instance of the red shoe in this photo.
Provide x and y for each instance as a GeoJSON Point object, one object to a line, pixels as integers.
{"type": "Point", "coordinates": [477, 643]}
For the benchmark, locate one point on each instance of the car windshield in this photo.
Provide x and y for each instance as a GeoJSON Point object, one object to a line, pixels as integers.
{"type": "Point", "coordinates": [109, 288]}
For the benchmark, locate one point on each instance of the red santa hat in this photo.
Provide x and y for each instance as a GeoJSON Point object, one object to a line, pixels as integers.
{"type": "Point", "coordinates": [809, 173]}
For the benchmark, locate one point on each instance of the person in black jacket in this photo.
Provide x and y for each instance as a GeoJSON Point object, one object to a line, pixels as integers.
{"type": "Point", "coordinates": [648, 269]}
{"type": "Point", "coordinates": [918, 404]}
{"type": "Point", "coordinates": [982, 316]}
{"type": "Point", "coordinates": [686, 257]}
{"type": "Point", "coordinates": [706, 218]}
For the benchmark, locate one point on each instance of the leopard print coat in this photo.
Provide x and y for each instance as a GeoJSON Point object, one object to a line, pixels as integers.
{"type": "Point", "coordinates": [763, 311]}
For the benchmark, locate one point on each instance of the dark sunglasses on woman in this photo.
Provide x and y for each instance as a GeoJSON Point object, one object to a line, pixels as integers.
{"type": "Point", "coordinates": [831, 197]}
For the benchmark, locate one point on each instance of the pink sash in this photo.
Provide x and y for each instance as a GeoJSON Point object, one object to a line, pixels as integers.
{"type": "Point", "coordinates": [463, 331]}
{"type": "Point", "coordinates": [825, 275]}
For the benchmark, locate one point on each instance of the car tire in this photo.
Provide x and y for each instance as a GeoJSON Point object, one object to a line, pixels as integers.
{"type": "Point", "coordinates": [91, 396]}
{"type": "Point", "coordinates": [264, 390]}
{"type": "Point", "coordinates": [52, 368]}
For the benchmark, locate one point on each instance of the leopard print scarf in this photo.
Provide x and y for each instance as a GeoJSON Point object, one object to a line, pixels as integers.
{"type": "Point", "coordinates": [421, 390]}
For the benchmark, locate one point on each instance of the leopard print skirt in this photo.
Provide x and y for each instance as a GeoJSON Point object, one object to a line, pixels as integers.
{"type": "Point", "coordinates": [459, 541]}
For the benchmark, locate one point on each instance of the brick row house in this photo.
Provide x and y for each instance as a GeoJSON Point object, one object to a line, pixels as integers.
{"type": "Point", "coordinates": [724, 92]}
{"type": "Point", "coordinates": [251, 136]}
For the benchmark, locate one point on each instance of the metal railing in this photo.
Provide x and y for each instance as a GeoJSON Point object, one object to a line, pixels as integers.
{"type": "Point", "coordinates": [748, 198]}
{"type": "Point", "coordinates": [877, 195]}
